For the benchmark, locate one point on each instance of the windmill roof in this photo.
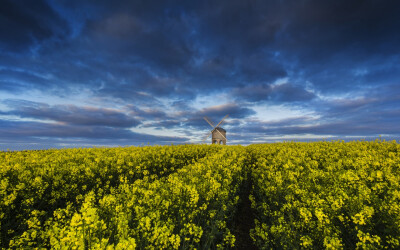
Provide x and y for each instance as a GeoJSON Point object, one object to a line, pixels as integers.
{"type": "Point", "coordinates": [220, 129]}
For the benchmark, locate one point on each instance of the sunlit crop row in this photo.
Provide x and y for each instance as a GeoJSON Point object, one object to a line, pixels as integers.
{"type": "Point", "coordinates": [34, 184]}
{"type": "Point", "coordinates": [187, 209]}
{"type": "Point", "coordinates": [326, 195]}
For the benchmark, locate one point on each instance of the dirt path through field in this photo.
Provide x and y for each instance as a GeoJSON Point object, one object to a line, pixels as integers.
{"type": "Point", "coordinates": [244, 220]}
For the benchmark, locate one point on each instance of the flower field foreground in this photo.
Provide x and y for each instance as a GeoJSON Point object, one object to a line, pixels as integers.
{"type": "Point", "coordinates": [325, 195]}
{"type": "Point", "coordinates": [36, 186]}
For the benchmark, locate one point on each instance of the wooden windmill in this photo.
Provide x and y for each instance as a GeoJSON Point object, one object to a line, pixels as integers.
{"type": "Point", "coordinates": [218, 133]}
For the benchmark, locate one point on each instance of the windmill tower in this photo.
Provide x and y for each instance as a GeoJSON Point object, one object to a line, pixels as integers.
{"type": "Point", "coordinates": [218, 133]}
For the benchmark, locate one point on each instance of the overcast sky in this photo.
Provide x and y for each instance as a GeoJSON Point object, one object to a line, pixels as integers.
{"type": "Point", "coordinates": [84, 73]}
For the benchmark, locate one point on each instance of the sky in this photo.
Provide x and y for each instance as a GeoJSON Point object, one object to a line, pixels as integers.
{"type": "Point", "coordinates": [114, 73]}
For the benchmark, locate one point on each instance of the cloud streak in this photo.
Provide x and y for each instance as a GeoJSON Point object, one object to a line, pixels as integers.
{"type": "Point", "coordinates": [71, 114]}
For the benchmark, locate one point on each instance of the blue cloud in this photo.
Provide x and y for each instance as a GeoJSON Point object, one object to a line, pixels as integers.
{"type": "Point", "coordinates": [71, 114]}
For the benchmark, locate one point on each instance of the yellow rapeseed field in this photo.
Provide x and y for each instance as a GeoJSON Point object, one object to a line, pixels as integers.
{"type": "Point", "coordinates": [325, 195]}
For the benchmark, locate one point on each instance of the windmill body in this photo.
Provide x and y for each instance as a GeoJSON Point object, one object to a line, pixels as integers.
{"type": "Point", "coordinates": [218, 136]}
{"type": "Point", "coordinates": [218, 133]}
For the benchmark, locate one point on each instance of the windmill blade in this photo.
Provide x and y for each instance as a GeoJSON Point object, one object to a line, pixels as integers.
{"type": "Point", "coordinates": [209, 122]}
{"type": "Point", "coordinates": [220, 124]}
{"type": "Point", "coordinates": [221, 121]}
{"type": "Point", "coordinates": [207, 136]}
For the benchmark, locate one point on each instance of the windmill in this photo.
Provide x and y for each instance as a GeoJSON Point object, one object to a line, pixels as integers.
{"type": "Point", "coordinates": [218, 133]}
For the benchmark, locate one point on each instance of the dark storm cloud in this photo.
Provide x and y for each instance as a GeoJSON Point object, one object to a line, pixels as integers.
{"type": "Point", "coordinates": [232, 109]}
{"type": "Point", "coordinates": [285, 92]}
{"type": "Point", "coordinates": [333, 27]}
{"type": "Point", "coordinates": [216, 45]}
{"type": "Point", "coordinates": [166, 56]}
{"type": "Point", "coordinates": [249, 25]}
{"type": "Point", "coordinates": [329, 40]}
{"type": "Point", "coordinates": [190, 47]}
{"type": "Point", "coordinates": [122, 32]}
{"type": "Point", "coordinates": [25, 24]}
{"type": "Point", "coordinates": [70, 114]}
